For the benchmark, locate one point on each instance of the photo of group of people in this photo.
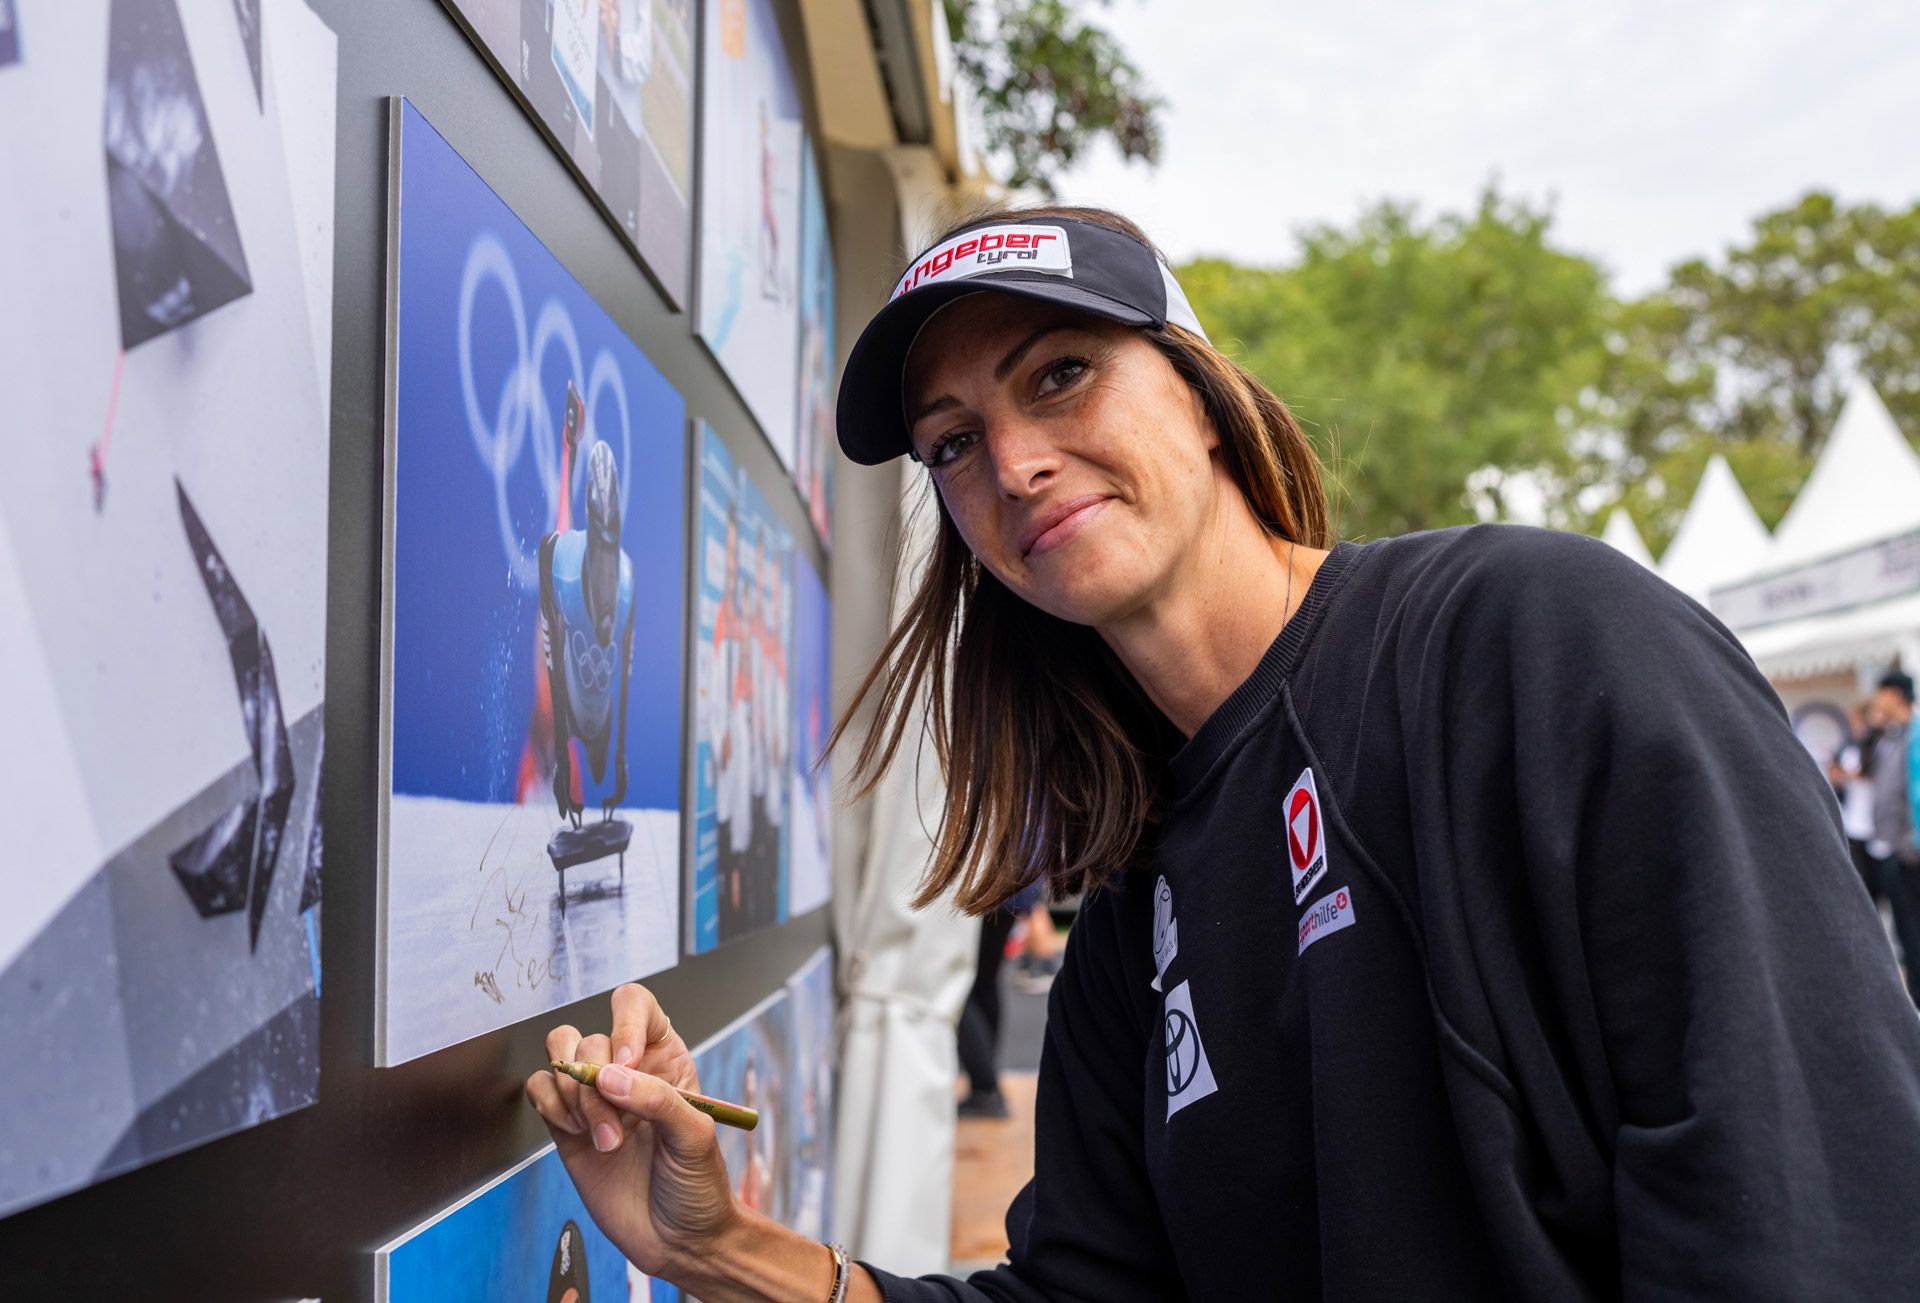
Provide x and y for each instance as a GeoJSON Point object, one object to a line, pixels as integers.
{"type": "Point", "coordinates": [743, 720]}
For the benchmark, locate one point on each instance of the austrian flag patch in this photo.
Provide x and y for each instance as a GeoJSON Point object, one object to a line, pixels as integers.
{"type": "Point", "coordinates": [1306, 836]}
{"type": "Point", "coordinates": [1006, 247]}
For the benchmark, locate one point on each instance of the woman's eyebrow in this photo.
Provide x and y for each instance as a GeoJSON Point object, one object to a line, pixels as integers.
{"type": "Point", "coordinates": [939, 404]}
{"type": "Point", "coordinates": [1012, 360]}
{"type": "Point", "coordinates": [1000, 373]}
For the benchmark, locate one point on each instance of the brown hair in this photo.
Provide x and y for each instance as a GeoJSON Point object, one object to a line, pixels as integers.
{"type": "Point", "coordinates": [1051, 753]}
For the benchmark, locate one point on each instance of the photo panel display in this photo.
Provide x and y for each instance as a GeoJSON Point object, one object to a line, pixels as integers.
{"type": "Point", "coordinates": [808, 1171]}
{"type": "Point", "coordinates": [534, 615]}
{"type": "Point", "coordinates": [525, 1235]}
{"type": "Point", "coordinates": [747, 307]}
{"type": "Point", "coordinates": [751, 1063]}
{"type": "Point", "coordinates": [813, 428]}
{"type": "Point", "coordinates": [778, 1058]}
{"type": "Point", "coordinates": [810, 857]}
{"type": "Point", "coordinates": [742, 721]}
{"type": "Point", "coordinates": [611, 82]}
{"type": "Point", "coordinates": [163, 559]}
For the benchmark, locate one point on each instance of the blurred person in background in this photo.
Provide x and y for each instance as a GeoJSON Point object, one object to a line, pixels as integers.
{"type": "Point", "coordinates": [1040, 949]}
{"type": "Point", "coordinates": [1850, 773]}
{"type": "Point", "coordinates": [980, 1019]}
{"type": "Point", "coordinates": [1894, 771]}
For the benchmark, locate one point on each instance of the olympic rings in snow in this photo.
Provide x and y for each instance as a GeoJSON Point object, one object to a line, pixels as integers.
{"type": "Point", "coordinates": [527, 409]}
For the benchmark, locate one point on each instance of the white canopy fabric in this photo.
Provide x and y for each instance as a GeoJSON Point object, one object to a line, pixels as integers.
{"type": "Point", "coordinates": [1865, 487]}
{"type": "Point", "coordinates": [1870, 635]}
{"type": "Point", "coordinates": [1622, 535]}
{"type": "Point", "coordinates": [1720, 539]}
{"type": "Point", "coordinates": [904, 977]}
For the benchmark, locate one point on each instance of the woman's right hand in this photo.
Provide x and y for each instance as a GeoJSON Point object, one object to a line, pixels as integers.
{"type": "Point", "coordinates": [645, 1161]}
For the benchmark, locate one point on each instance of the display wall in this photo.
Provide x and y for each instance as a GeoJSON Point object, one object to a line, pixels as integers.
{"type": "Point", "coordinates": [296, 1204]}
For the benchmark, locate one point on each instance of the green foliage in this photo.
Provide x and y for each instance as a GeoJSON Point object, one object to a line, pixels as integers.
{"type": "Point", "coordinates": [1818, 285]}
{"type": "Point", "coordinates": [1749, 356]}
{"type": "Point", "coordinates": [1433, 361]}
{"type": "Point", "coordinates": [1416, 352]}
{"type": "Point", "coordinates": [1049, 83]}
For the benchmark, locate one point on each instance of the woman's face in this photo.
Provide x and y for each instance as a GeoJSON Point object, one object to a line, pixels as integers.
{"type": "Point", "coordinates": [1075, 462]}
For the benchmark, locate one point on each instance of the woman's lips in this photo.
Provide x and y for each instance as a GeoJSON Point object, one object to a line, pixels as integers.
{"type": "Point", "coordinates": [1066, 526]}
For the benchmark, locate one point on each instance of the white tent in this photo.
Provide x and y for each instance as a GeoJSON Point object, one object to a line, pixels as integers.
{"type": "Point", "coordinates": [1865, 487]}
{"type": "Point", "coordinates": [1720, 539]}
{"type": "Point", "coordinates": [1864, 491]}
{"type": "Point", "coordinates": [1622, 534]}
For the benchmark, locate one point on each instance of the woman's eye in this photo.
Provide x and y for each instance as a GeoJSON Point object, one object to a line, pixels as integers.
{"type": "Point", "coordinates": [1061, 374]}
{"type": "Point", "coordinates": [948, 448]}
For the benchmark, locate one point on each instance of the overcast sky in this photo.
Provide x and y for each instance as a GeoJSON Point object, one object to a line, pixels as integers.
{"type": "Point", "coordinates": [1658, 130]}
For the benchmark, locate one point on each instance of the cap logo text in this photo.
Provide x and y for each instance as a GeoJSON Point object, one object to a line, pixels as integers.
{"type": "Point", "coordinates": [992, 248]}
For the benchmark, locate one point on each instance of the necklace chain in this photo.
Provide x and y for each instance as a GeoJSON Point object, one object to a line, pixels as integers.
{"type": "Point", "coordinates": [1286, 604]}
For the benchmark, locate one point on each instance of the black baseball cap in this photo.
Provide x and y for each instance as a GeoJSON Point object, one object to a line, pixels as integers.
{"type": "Point", "coordinates": [1060, 260]}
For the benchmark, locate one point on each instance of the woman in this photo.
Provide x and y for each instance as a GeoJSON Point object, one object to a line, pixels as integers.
{"type": "Point", "coordinates": [1463, 917]}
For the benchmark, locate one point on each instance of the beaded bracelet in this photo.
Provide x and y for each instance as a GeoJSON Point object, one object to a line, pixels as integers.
{"type": "Point", "coordinates": [841, 1273]}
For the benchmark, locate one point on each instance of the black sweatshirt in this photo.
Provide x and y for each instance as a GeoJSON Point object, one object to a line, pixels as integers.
{"type": "Point", "coordinates": [1512, 948]}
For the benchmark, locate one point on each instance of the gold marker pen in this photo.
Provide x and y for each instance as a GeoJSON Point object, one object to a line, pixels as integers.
{"type": "Point", "coordinates": [733, 1115]}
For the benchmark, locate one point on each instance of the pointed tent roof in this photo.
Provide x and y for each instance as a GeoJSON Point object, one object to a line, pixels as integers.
{"type": "Point", "coordinates": [1865, 487]}
{"type": "Point", "coordinates": [1720, 539]}
{"type": "Point", "coordinates": [1620, 532]}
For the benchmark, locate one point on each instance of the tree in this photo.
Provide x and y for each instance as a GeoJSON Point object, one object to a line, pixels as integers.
{"type": "Point", "coordinates": [1820, 290]}
{"type": "Point", "coordinates": [1048, 84]}
{"type": "Point", "coordinates": [1418, 352]}
{"type": "Point", "coordinates": [1747, 356]}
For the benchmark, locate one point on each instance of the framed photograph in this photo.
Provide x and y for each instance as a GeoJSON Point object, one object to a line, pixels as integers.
{"type": "Point", "coordinates": [747, 306]}
{"type": "Point", "coordinates": [742, 735]}
{"type": "Point", "coordinates": [534, 624]}
{"type": "Point", "coordinates": [523, 1235]}
{"type": "Point", "coordinates": [814, 435]}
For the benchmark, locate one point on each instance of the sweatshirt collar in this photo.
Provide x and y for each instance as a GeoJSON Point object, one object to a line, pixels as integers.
{"type": "Point", "coordinates": [1191, 762]}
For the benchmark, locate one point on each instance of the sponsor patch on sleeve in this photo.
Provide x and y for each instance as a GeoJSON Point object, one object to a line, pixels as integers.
{"type": "Point", "coordinates": [1189, 1075]}
{"type": "Point", "coordinates": [1006, 247]}
{"type": "Point", "coordinates": [1330, 914]}
{"type": "Point", "coordinates": [1306, 836]}
{"type": "Point", "coordinates": [1166, 931]}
